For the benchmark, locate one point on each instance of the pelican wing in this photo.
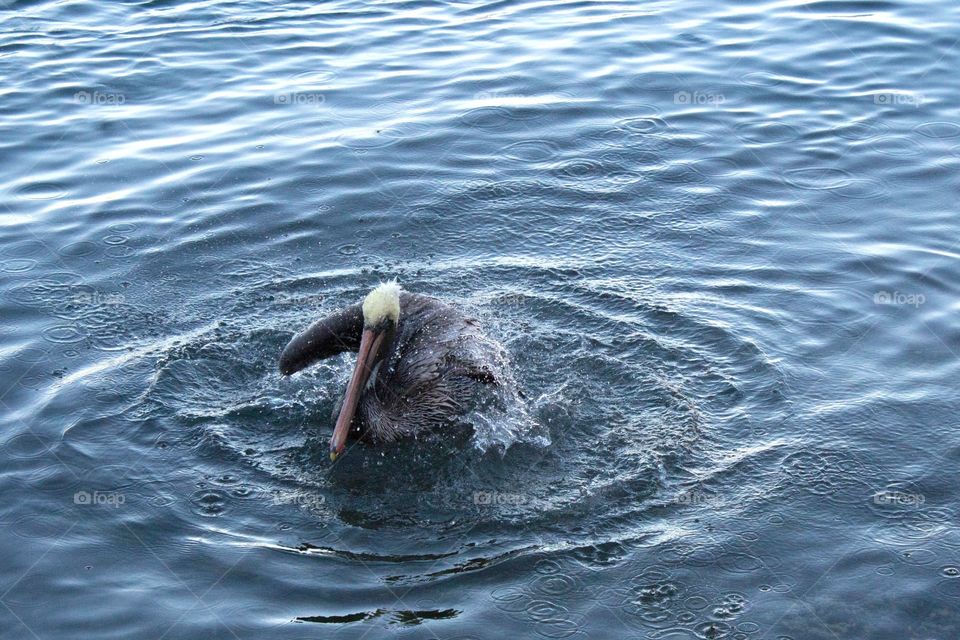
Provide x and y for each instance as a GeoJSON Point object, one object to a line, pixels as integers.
{"type": "Point", "coordinates": [326, 337]}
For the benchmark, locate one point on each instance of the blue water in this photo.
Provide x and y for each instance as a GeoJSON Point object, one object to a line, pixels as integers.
{"type": "Point", "coordinates": [719, 241]}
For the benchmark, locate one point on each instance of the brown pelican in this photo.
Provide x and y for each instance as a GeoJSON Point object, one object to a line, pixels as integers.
{"type": "Point", "coordinates": [419, 363]}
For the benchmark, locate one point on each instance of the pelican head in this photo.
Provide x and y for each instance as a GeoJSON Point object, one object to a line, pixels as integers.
{"type": "Point", "coordinates": [381, 311]}
{"type": "Point", "coordinates": [382, 305]}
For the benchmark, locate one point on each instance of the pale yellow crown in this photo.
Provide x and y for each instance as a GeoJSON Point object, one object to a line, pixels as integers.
{"type": "Point", "coordinates": [382, 303]}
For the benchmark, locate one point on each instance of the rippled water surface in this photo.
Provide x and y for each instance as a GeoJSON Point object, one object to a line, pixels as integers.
{"type": "Point", "coordinates": [718, 240]}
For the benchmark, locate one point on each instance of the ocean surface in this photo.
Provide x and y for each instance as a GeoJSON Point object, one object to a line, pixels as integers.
{"type": "Point", "coordinates": [719, 241]}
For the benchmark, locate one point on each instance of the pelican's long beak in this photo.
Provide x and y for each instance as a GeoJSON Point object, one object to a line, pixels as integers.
{"type": "Point", "coordinates": [370, 343]}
